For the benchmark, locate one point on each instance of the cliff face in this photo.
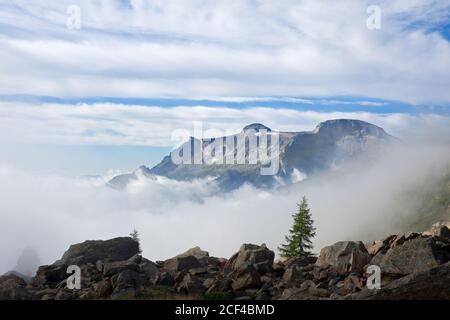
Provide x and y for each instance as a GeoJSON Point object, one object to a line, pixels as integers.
{"type": "Point", "coordinates": [414, 266]}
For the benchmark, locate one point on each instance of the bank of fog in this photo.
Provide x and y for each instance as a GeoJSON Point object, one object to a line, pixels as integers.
{"type": "Point", "coordinates": [366, 200]}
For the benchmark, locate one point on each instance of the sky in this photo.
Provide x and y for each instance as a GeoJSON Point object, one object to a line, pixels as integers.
{"type": "Point", "coordinates": [122, 75]}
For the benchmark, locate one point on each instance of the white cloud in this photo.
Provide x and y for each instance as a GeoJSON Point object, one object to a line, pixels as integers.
{"type": "Point", "coordinates": [226, 48]}
{"type": "Point", "coordinates": [116, 124]}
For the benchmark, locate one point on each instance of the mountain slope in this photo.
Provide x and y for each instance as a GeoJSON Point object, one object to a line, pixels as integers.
{"type": "Point", "coordinates": [330, 144]}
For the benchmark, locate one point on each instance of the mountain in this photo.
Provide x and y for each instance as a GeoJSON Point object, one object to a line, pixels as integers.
{"type": "Point", "coordinates": [329, 145]}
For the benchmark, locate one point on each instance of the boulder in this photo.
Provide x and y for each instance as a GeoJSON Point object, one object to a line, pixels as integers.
{"type": "Point", "coordinates": [117, 249]}
{"type": "Point", "coordinates": [198, 271]}
{"type": "Point", "coordinates": [377, 246]}
{"type": "Point", "coordinates": [148, 269]}
{"type": "Point", "coordinates": [89, 270]}
{"type": "Point", "coordinates": [197, 253]}
{"type": "Point", "coordinates": [321, 274]}
{"type": "Point", "coordinates": [102, 289]}
{"type": "Point", "coordinates": [163, 279]}
{"type": "Point", "coordinates": [397, 241]}
{"type": "Point", "coordinates": [431, 284]}
{"type": "Point", "coordinates": [182, 263]}
{"type": "Point", "coordinates": [373, 247]}
{"type": "Point", "coordinates": [137, 258]}
{"type": "Point", "coordinates": [209, 282]}
{"type": "Point", "coordinates": [191, 285]}
{"type": "Point", "coordinates": [219, 285]}
{"type": "Point", "coordinates": [415, 255]}
{"type": "Point", "coordinates": [124, 280]}
{"type": "Point", "coordinates": [344, 256]}
{"type": "Point", "coordinates": [246, 277]}
{"type": "Point", "coordinates": [293, 276]}
{"type": "Point", "coordinates": [259, 256]}
{"type": "Point", "coordinates": [112, 268]}
{"type": "Point", "coordinates": [351, 284]}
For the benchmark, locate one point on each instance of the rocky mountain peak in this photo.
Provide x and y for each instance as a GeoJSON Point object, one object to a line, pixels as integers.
{"type": "Point", "coordinates": [256, 126]}
{"type": "Point", "coordinates": [330, 145]}
{"type": "Point", "coordinates": [349, 127]}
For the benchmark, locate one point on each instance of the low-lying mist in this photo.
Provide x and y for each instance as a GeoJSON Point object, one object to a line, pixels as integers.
{"type": "Point", "coordinates": [360, 202]}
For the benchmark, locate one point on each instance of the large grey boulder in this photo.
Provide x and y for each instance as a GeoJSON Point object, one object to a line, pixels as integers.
{"type": "Point", "coordinates": [124, 280]}
{"type": "Point", "coordinates": [293, 276]}
{"type": "Point", "coordinates": [412, 256]}
{"type": "Point", "coordinates": [182, 263]}
{"type": "Point", "coordinates": [191, 285]}
{"type": "Point", "coordinates": [344, 256]}
{"type": "Point", "coordinates": [246, 277]}
{"type": "Point", "coordinates": [148, 268]}
{"type": "Point", "coordinates": [259, 256]}
{"type": "Point", "coordinates": [196, 252]}
{"type": "Point", "coordinates": [117, 249]}
{"type": "Point", "coordinates": [432, 284]}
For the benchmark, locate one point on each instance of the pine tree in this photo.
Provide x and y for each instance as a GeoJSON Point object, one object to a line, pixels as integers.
{"type": "Point", "coordinates": [135, 236]}
{"type": "Point", "coordinates": [298, 242]}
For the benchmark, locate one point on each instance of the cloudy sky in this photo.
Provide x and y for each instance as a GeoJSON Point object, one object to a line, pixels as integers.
{"type": "Point", "coordinates": [137, 70]}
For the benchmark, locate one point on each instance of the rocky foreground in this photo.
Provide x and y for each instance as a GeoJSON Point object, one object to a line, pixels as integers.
{"type": "Point", "coordinates": [414, 266]}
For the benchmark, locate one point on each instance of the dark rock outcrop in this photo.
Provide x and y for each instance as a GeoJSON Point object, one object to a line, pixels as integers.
{"type": "Point", "coordinates": [431, 284]}
{"type": "Point", "coordinates": [413, 256]}
{"type": "Point", "coordinates": [13, 287]}
{"type": "Point", "coordinates": [117, 249]}
{"type": "Point", "coordinates": [414, 266]}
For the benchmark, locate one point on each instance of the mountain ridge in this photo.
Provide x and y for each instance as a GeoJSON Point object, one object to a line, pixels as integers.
{"type": "Point", "coordinates": [330, 143]}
